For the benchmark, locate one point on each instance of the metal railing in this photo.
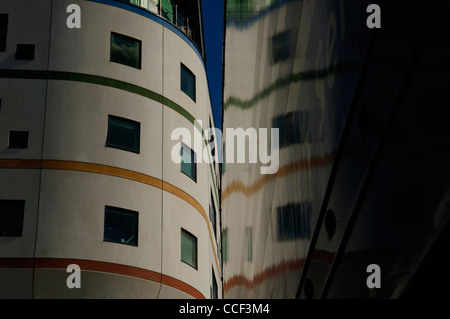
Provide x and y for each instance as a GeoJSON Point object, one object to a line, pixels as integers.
{"type": "Point", "coordinates": [167, 10]}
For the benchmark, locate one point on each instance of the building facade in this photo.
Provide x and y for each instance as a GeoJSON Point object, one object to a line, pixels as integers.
{"type": "Point", "coordinates": [87, 175]}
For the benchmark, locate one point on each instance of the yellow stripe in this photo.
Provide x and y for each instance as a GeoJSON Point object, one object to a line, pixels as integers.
{"type": "Point", "coordinates": [117, 172]}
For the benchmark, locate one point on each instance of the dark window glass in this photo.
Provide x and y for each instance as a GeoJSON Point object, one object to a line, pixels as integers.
{"type": "Point", "coordinates": [3, 31]}
{"type": "Point", "coordinates": [125, 50]}
{"type": "Point", "coordinates": [18, 139]}
{"type": "Point", "coordinates": [188, 162]}
{"type": "Point", "coordinates": [121, 226]}
{"type": "Point", "coordinates": [187, 82]}
{"type": "Point", "coordinates": [11, 217]}
{"type": "Point", "coordinates": [293, 221]}
{"type": "Point", "coordinates": [188, 248]}
{"type": "Point", "coordinates": [25, 52]}
{"type": "Point", "coordinates": [123, 134]}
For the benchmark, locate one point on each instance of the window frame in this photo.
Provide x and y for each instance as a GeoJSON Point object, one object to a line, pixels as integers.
{"type": "Point", "coordinates": [187, 71]}
{"type": "Point", "coordinates": [194, 239]}
{"type": "Point", "coordinates": [114, 209]}
{"type": "Point", "coordinates": [193, 162]}
{"type": "Point", "coordinates": [110, 144]}
{"type": "Point", "coordinates": [20, 208]}
{"type": "Point", "coordinates": [4, 17]}
{"type": "Point", "coordinates": [22, 142]}
{"type": "Point", "coordinates": [126, 38]}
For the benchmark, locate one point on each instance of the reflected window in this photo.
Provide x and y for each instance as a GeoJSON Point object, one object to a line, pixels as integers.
{"type": "Point", "coordinates": [292, 128]}
{"type": "Point", "coordinates": [249, 239]}
{"type": "Point", "coordinates": [281, 46]}
{"type": "Point", "coordinates": [123, 134]}
{"type": "Point", "coordinates": [121, 226]}
{"type": "Point", "coordinates": [11, 217]}
{"type": "Point", "coordinates": [187, 81]}
{"type": "Point", "coordinates": [188, 248]}
{"type": "Point", "coordinates": [293, 221]}
{"type": "Point", "coordinates": [188, 162]}
{"type": "Point", "coordinates": [125, 50]}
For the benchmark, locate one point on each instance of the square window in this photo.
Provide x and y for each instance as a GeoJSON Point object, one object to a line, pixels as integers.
{"type": "Point", "coordinates": [25, 52]}
{"type": "Point", "coordinates": [188, 162]}
{"type": "Point", "coordinates": [18, 139]}
{"type": "Point", "coordinates": [123, 134]}
{"type": "Point", "coordinates": [188, 248]}
{"type": "Point", "coordinates": [3, 31]}
{"type": "Point", "coordinates": [125, 50]}
{"type": "Point", "coordinates": [121, 226]}
{"type": "Point", "coordinates": [187, 82]}
{"type": "Point", "coordinates": [11, 217]}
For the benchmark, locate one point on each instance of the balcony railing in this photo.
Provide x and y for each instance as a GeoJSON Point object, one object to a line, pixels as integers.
{"type": "Point", "coordinates": [167, 10]}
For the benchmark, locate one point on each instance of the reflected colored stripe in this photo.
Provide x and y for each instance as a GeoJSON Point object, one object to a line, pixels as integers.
{"type": "Point", "coordinates": [116, 172]}
{"type": "Point", "coordinates": [288, 80]}
{"type": "Point", "coordinates": [100, 266]}
{"type": "Point", "coordinates": [285, 170]}
{"type": "Point", "coordinates": [273, 271]}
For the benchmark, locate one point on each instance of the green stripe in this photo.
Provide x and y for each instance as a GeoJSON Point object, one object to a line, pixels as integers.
{"type": "Point", "coordinates": [104, 81]}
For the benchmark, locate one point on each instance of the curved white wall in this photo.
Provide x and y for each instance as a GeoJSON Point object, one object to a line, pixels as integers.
{"type": "Point", "coordinates": [67, 116]}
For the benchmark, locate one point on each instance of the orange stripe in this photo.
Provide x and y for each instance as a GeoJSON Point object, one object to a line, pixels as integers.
{"type": "Point", "coordinates": [301, 165]}
{"type": "Point", "coordinates": [101, 266]}
{"type": "Point", "coordinates": [117, 172]}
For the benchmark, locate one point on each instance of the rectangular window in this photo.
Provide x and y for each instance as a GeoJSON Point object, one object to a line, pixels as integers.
{"type": "Point", "coordinates": [11, 217]}
{"type": "Point", "coordinates": [188, 248]}
{"type": "Point", "coordinates": [18, 139]}
{"type": "Point", "coordinates": [121, 226]}
{"type": "Point", "coordinates": [188, 162]}
{"type": "Point", "coordinates": [187, 81]}
{"type": "Point", "coordinates": [25, 52]}
{"type": "Point", "coordinates": [214, 286]}
{"type": "Point", "coordinates": [125, 50]}
{"type": "Point", "coordinates": [3, 31]}
{"type": "Point", "coordinates": [212, 213]}
{"type": "Point", "coordinates": [123, 134]}
{"type": "Point", "coordinates": [293, 221]}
